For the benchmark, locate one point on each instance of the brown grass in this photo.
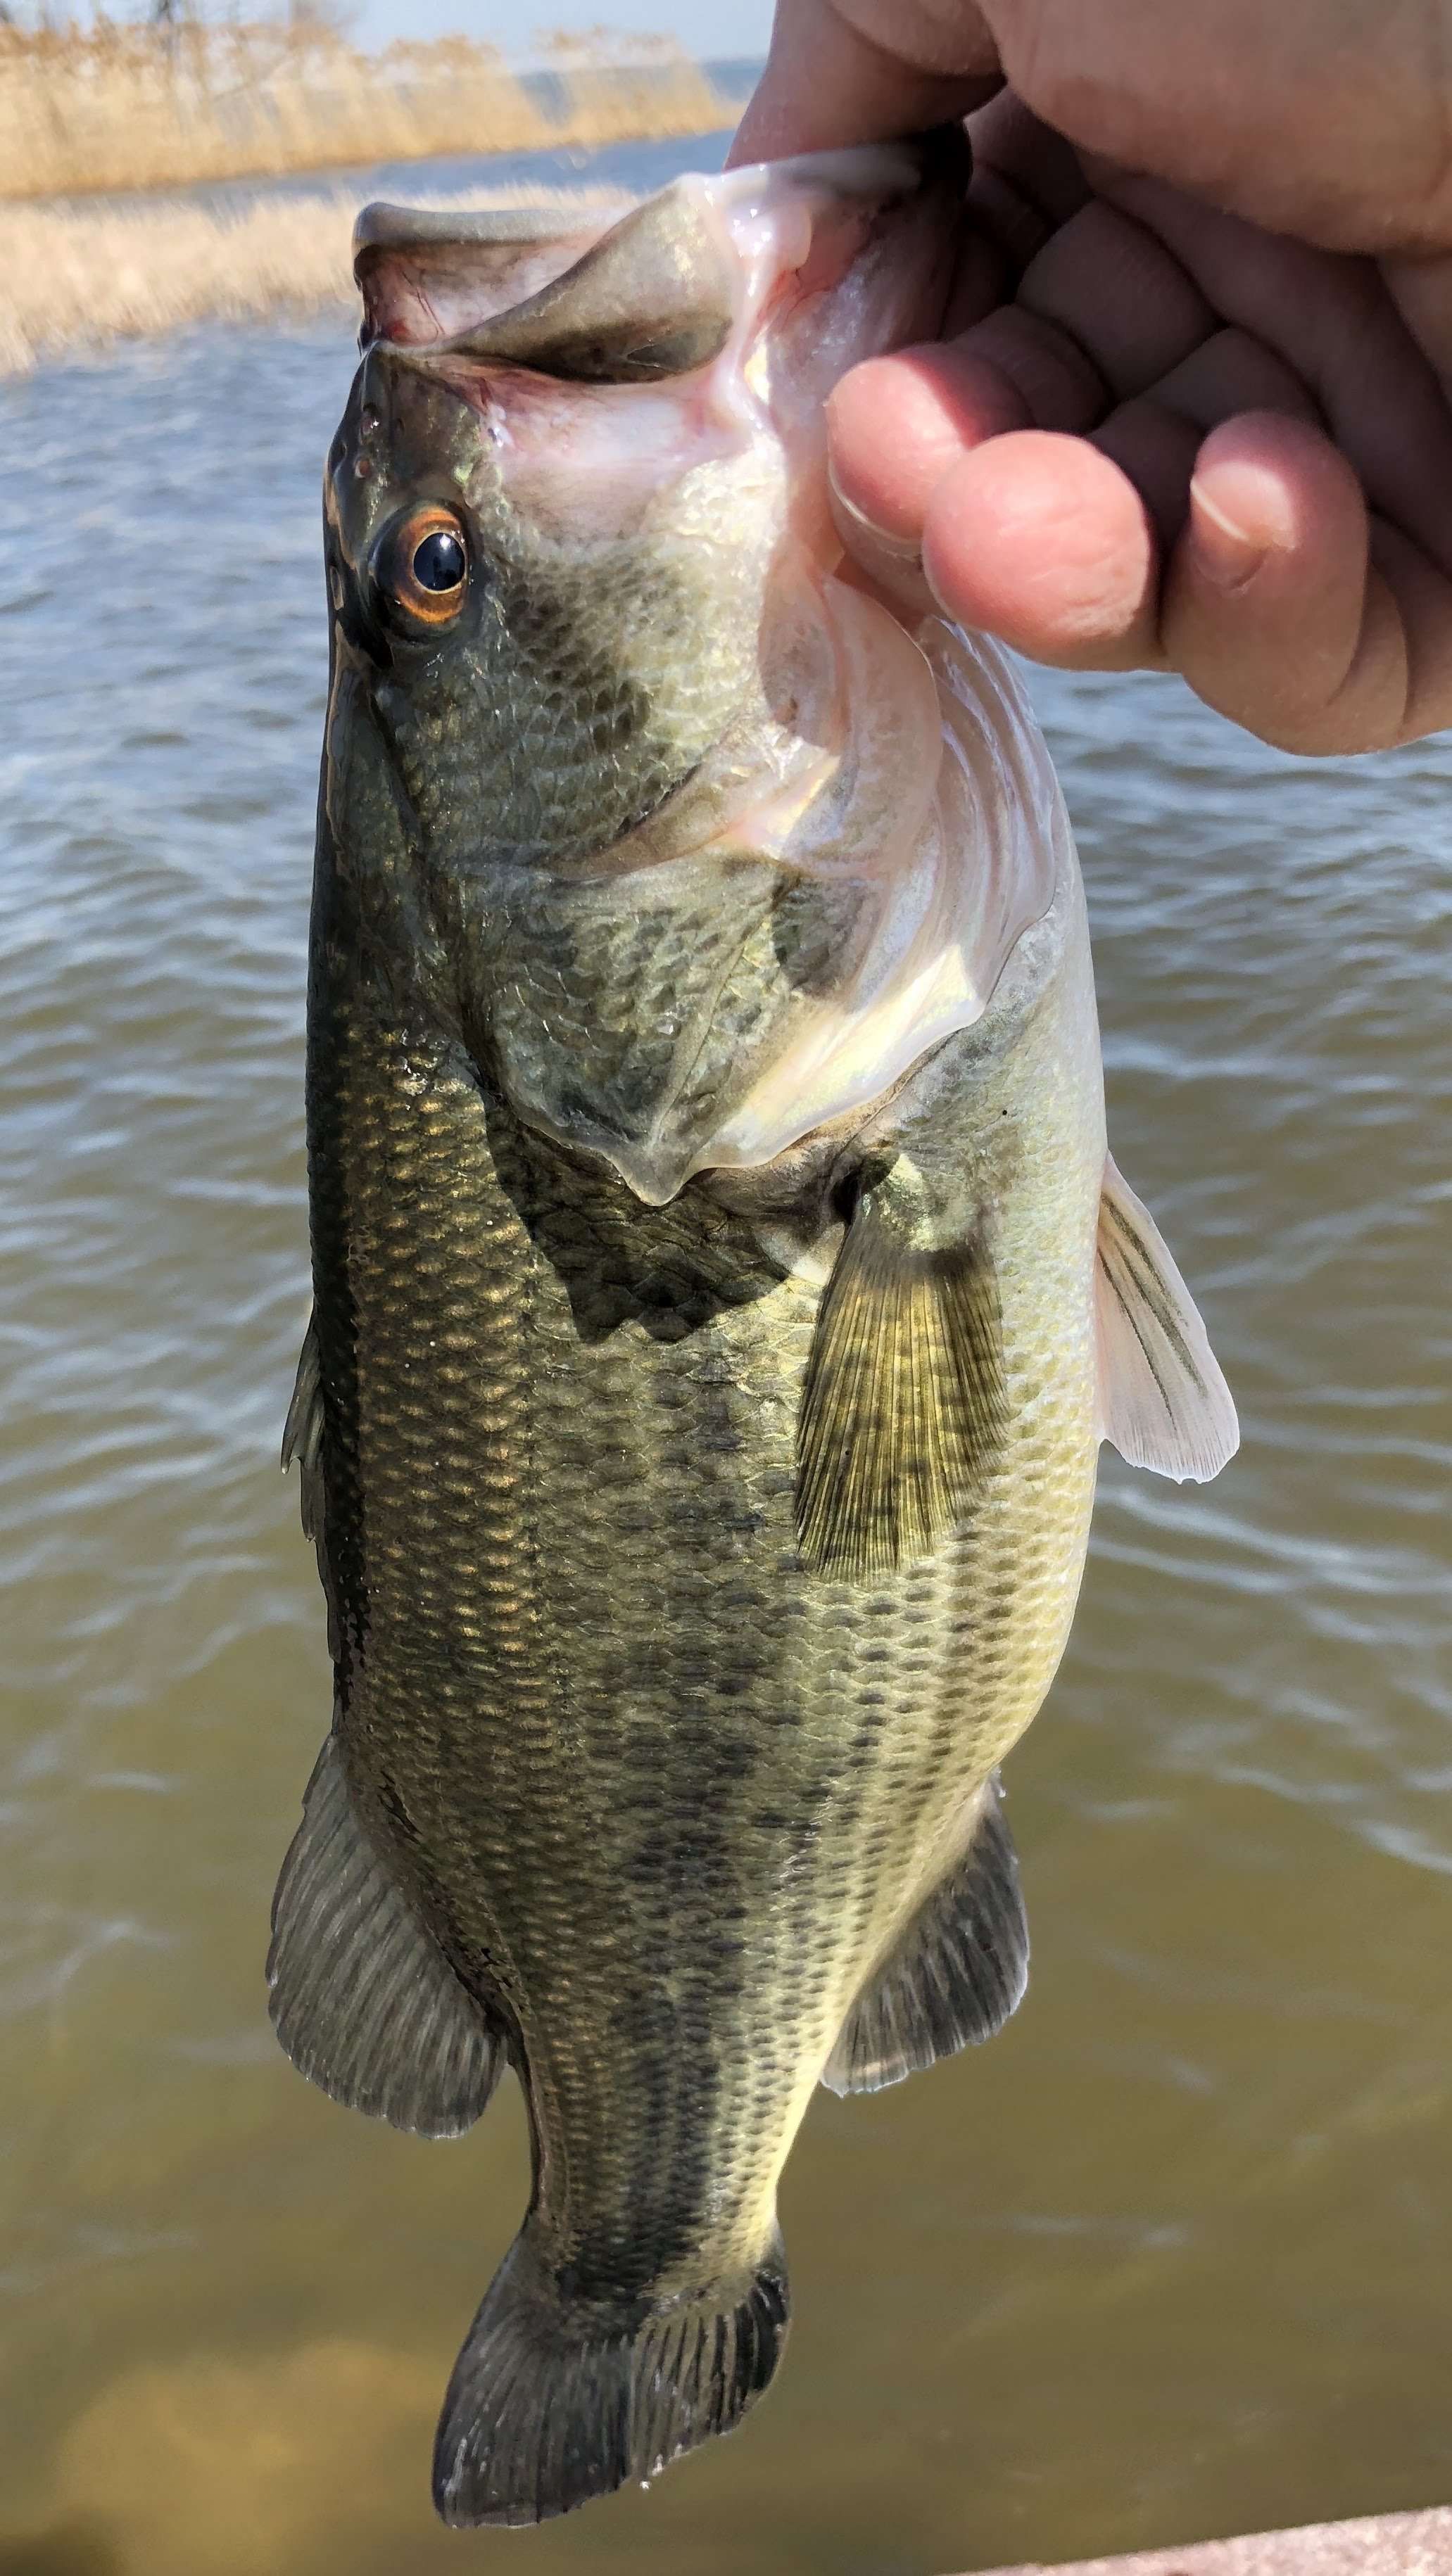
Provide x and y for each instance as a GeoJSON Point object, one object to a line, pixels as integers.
{"type": "Point", "coordinates": [122, 107]}
{"type": "Point", "coordinates": [77, 278]}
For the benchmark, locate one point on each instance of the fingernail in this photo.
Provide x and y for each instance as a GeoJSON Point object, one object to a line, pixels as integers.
{"type": "Point", "coordinates": [894, 565]}
{"type": "Point", "coordinates": [1225, 552]}
{"type": "Point", "coordinates": [865, 531]}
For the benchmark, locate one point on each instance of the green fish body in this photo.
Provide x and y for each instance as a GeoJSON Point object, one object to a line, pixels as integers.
{"type": "Point", "coordinates": [721, 1288]}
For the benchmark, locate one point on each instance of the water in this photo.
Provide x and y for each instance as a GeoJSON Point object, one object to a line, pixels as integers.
{"type": "Point", "coordinates": [1171, 2257]}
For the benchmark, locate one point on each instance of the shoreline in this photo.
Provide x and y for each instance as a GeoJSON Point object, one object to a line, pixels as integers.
{"type": "Point", "coordinates": [121, 109]}
{"type": "Point", "coordinates": [76, 280]}
{"type": "Point", "coordinates": [1386, 2544]}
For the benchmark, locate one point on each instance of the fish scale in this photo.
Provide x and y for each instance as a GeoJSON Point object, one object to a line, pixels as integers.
{"type": "Point", "coordinates": [495, 1637]}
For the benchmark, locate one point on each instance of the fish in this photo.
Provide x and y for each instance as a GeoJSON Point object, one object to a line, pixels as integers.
{"type": "Point", "coordinates": [722, 1286]}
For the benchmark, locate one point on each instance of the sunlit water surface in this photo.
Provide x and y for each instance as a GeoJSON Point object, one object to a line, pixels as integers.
{"type": "Point", "coordinates": [1172, 2257]}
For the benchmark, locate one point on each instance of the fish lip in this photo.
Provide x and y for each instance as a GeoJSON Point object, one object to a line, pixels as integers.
{"type": "Point", "coordinates": [382, 225]}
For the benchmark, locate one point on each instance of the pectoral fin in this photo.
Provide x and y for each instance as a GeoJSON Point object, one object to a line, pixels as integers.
{"type": "Point", "coordinates": [1163, 1401]}
{"type": "Point", "coordinates": [903, 1407]}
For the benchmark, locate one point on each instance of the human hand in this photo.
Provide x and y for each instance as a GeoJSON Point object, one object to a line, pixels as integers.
{"type": "Point", "coordinates": [1158, 433]}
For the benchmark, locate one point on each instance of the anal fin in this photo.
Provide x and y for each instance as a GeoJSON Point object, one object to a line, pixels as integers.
{"type": "Point", "coordinates": [958, 1972]}
{"type": "Point", "coordinates": [302, 1433]}
{"type": "Point", "coordinates": [903, 1408]}
{"type": "Point", "coordinates": [302, 1440]}
{"type": "Point", "coordinates": [1163, 1401]}
{"type": "Point", "coordinates": [362, 1998]}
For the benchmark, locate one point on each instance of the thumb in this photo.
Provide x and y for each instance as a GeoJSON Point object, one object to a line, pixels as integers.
{"type": "Point", "coordinates": [828, 82]}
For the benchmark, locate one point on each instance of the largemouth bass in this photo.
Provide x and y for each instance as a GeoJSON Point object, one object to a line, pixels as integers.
{"type": "Point", "coordinates": [721, 1285]}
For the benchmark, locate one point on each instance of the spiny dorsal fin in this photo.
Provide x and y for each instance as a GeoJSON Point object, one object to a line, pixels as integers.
{"type": "Point", "coordinates": [362, 1998]}
{"type": "Point", "coordinates": [1162, 1399]}
{"type": "Point", "coordinates": [903, 1408]}
{"type": "Point", "coordinates": [959, 1970]}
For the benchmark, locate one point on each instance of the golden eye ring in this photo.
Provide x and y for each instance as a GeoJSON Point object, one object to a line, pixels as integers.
{"type": "Point", "coordinates": [422, 566]}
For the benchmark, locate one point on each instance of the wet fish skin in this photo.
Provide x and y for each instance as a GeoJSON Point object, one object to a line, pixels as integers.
{"type": "Point", "coordinates": [581, 688]}
{"type": "Point", "coordinates": [698, 1535]}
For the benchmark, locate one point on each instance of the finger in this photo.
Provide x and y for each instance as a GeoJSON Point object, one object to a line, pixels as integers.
{"type": "Point", "coordinates": [1273, 609]}
{"type": "Point", "coordinates": [829, 80]}
{"type": "Point", "coordinates": [1234, 372]}
{"type": "Point", "coordinates": [1156, 437]}
{"type": "Point", "coordinates": [1027, 179]}
{"type": "Point", "coordinates": [982, 279]}
{"type": "Point", "coordinates": [1421, 290]}
{"type": "Point", "coordinates": [1101, 311]}
{"type": "Point", "coordinates": [1156, 448]}
{"type": "Point", "coordinates": [1338, 327]}
{"type": "Point", "coordinates": [1049, 369]}
{"type": "Point", "coordinates": [898, 424]}
{"type": "Point", "coordinates": [1044, 542]}
{"type": "Point", "coordinates": [1114, 287]}
{"type": "Point", "coordinates": [1422, 597]}
{"type": "Point", "coordinates": [1236, 103]}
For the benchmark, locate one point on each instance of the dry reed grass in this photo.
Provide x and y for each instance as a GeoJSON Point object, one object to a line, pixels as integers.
{"type": "Point", "coordinates": [77, 278]}
{"type": "Point", "coordinates": [110, 108]}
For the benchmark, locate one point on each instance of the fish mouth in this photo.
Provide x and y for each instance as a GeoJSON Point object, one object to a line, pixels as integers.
{"type": "Point", "coordinates": [632, 291]}
{"type": "Point", "coordinates": [428, 275]}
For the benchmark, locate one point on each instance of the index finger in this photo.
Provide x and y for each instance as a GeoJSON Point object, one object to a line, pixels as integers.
{"type": "Point", "coordinates": [829, 81]}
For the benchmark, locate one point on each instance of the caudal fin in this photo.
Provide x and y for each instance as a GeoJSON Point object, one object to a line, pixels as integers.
{"type": "Point", "coordinates": [552, 2403]}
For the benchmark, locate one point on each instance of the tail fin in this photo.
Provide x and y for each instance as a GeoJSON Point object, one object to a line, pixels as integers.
{"type": "Point", "coordinates": [551, 2404]}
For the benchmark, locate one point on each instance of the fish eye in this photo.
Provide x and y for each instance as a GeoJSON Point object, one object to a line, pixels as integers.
{"type": "Point", "coordinates": [422, 566]}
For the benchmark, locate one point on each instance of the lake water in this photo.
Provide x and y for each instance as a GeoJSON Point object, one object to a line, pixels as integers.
{"type": "Point", "coordinates": [1172, 2256]}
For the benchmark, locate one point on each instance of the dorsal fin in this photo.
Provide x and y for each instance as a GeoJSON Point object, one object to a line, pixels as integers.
{"type": "Point", "coordinates": [1163, 1401]}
